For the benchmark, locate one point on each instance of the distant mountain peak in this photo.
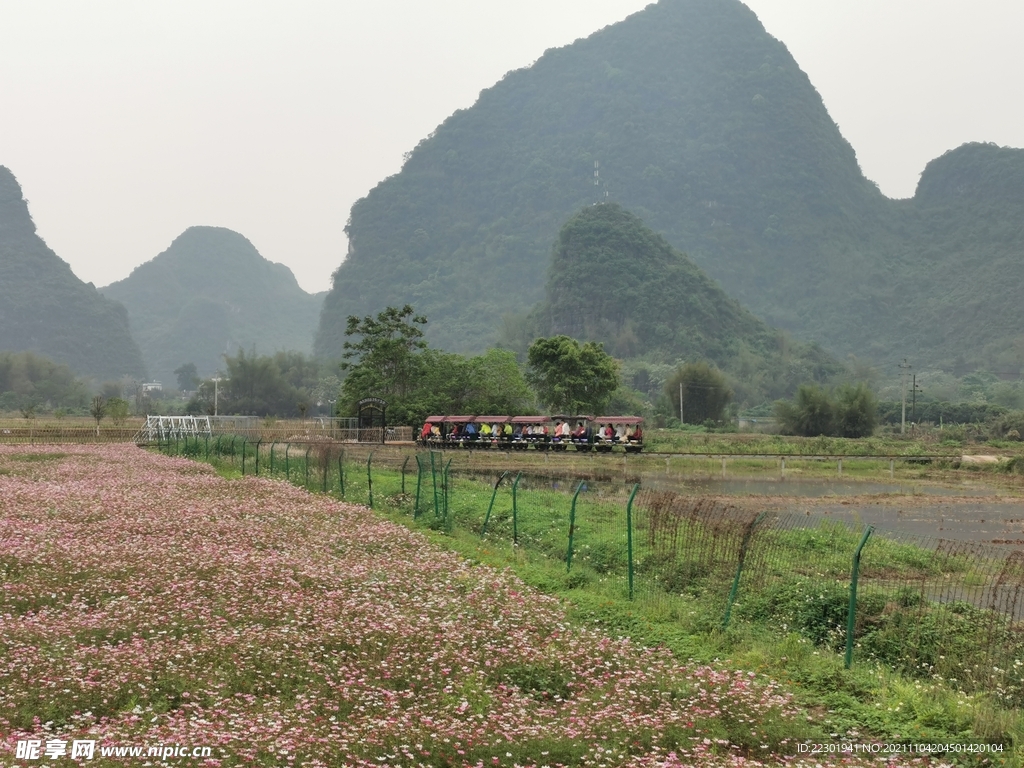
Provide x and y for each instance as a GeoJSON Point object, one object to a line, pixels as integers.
{"type": "Point", "coordinates": [209, 293]}
{"type": "Point", "coordinates": [14, 215]}
{"type": "Point", "coordinates": [701, 122]}
{"type": "Point", "coordinates": [45, 308]}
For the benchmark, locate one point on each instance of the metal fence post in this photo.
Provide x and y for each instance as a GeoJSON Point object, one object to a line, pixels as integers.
{"type": "Point", "coordinates": [433, 477]}
{"type": "Point", "coordinates": [287, 467]}
{"type": "Point", "coordinates": [258, 457]}
{"type": "Point", "coordinates": [572, 527]}
{"type": "Point", "coordinates": [851, 613]}
{"type": "Point", "coordinates": [207, 447]}
{"type": "Point", "coordinates": [515, 510]}
{"type": "Point", "coordinates": [403, 474]}
{"type": "Point", "coordinates": [325, 466]}
{"type": "Point", "coordinates": [487, 517]}
{"type": "Point", "coordinates": [272, 457]}
{"type": "Point", "coordinates": [419, 477]}
{"type": "Point", "coordinates": [306, 483]}
{"type": "Point", "coordinates": [445, 490]}
{"type": "Point", "coordinates": [369, 478]}
{"type": "Point", "coordinates": [244, 441]}
{"type": "Point", "coordinates": [629, 537]}
{"type": "Point", "coordinates": [739, 567]}
{"type": "Point", "coordinates": [341, 472]}
{"type": "Point", "coordinates": [232, 449]}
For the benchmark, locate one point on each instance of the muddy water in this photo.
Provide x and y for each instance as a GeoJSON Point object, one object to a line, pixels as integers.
{"type": "Point", "coordinates": [962, 512]}
{"type": "Point", "coordinates": [806, 487]}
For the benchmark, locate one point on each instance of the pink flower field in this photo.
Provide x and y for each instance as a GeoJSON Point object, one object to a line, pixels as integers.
{"type": "Point", "coordinates": [146, 600]}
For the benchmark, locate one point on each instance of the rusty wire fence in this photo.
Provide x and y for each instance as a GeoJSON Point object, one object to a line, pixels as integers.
{"type": "Point", "coordinates": [931, 608]}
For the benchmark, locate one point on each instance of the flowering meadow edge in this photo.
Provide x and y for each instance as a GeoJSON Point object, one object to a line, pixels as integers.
{"type": "Point", "coordinates": [146, 600]}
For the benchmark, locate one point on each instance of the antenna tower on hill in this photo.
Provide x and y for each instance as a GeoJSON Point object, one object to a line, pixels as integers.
{"type": "Point", "coordinates": [597, 183]}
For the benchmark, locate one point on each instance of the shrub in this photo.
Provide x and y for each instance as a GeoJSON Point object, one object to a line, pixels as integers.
{"type": "Point", "coordinates": [851, 411]}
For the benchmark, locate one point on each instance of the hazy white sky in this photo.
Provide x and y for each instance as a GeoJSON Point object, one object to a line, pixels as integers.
{"type": "Point", "coordinates": [127, 122]}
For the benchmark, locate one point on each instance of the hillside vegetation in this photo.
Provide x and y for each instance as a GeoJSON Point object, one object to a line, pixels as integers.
{"type": "Point", "coordinates": [45, 309]}
{"type": "Point", "coordinates": [209, 294]}
{"type": "Point", "coordinates": [703, 125]}
{"type": "Point", "coordinates": [612, 279]}
{"type": "Point", "coordinates": [706, 128]}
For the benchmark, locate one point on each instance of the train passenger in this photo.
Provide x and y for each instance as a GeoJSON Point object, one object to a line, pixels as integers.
{"type": "Point", "coordinates": [454, 434]}
{"type": "Point", "coordinates": [579, 432]}
{"type": "Point", "coordinates": [485, 430]}
{"type": "Point", "coordinates": [620, 433]}
{"type": "Point", "coordinates": [469, 432]}
{"type": "Point", "coordinates": [425, 432]}
{"type": "Point", "coordinates": [506, 431]}
{"type": "Point", "coordinates": [637, 435]}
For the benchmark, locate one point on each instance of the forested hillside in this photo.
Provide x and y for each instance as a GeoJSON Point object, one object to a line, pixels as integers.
{"type": "Point", "coordinates": [706, 128]}
{"type": "Point", "coordinates": [211, 293]}
{"type": "Point", "coordinates": [960, 248]}
{"type": "Point", "coordinates": [615, 281]}
{"type": "Point", "coordinates": [45, 309]}
{"type": "Point", "coordinates": [702, 124]}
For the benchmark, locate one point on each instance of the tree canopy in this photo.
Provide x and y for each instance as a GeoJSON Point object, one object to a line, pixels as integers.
{"type": "Point", "coordinates": [387, 357]}
{"type": "Point", "coordinates": [31, 380]}
{"type": "Point", "coordinates": [570, 377]}
{"type": "Point", "coordinates": [262, 385]}
{"type": "Point", "coordinates": [850, 411]}
{"type": "Point", "coordinates": [705, 393]}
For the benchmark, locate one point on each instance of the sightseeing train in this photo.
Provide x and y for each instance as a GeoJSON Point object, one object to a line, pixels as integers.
{"type": "Point", "coordinates": [602, 434]}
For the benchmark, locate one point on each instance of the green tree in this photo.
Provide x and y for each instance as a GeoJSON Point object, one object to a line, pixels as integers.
{"type": "Point", "coordinates": [385, 348]}
{"type": "Point", "coordinates": [300, 371]}
{"type": "Point", "coordinates": [705, 392]}
{"type": "Point", "coordinates": [811, 414]}
{"type": "Point", "coordinates": [98, 409]}
{"type": "Point", "coordinates": [118, 409]}
{"type": "Point", "coordinates": [30, 379]}
{"type": "Point", "coordinates": [570, 377]}
{"type": "Point", "coordinates": [188, 377]}
{"type": "Point", "coordinates": [497, 385]}
{"type": "Point", "coordinates": [849, 412]}
{"type": "Point", "coordinates": [256, 386]}
{"type": "Point", "coordinates": [856, 411]}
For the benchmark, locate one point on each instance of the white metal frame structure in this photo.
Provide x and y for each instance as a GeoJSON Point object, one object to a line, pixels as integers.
{"type": "Point", "coordinates": [170, 427]}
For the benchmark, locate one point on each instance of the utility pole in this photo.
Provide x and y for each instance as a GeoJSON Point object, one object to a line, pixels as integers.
{"type": "Point", "coordinates": [903, 380]}
{"type": "Point", "coordinates": [216, 382]}
{"type": "Point", "coordinates": [913, 409]}
{"type": "Point", "coordinates": [680, 403]}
